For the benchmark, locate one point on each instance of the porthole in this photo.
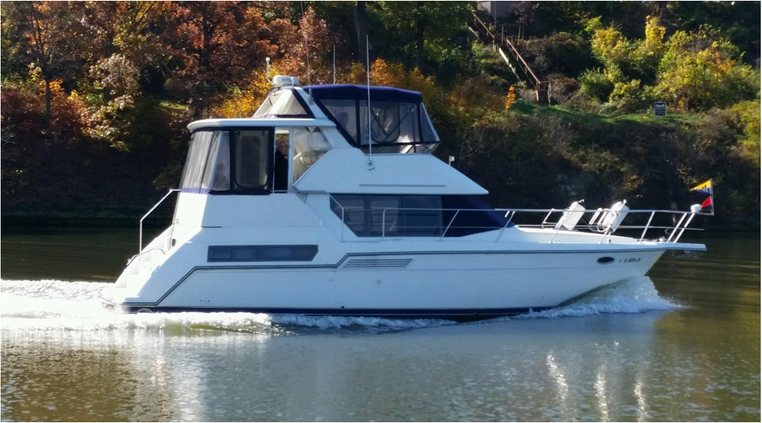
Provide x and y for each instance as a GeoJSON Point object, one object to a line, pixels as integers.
{"type": "Point", "coordinates": [605, 260]}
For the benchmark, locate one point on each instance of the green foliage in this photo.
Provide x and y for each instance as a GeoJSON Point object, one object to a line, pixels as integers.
{"type": "Point", "coordinates": [595, 84]}
{"type": "Point", "coordinates": [700, 70]}
{"type": "Point", "coordinates": [561, 53]}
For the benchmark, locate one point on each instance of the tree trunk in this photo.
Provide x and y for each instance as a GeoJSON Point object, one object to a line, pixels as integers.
{"type": "Point", "coordinates": [47, 102]}
{"type": "Point", "coordinates": [361, 26]}
{"type": "Point", "coordinates": [420, 26]}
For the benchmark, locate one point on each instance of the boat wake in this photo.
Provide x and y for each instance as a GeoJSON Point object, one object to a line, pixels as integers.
{"type": "Point", "coordinates": [50, 305]}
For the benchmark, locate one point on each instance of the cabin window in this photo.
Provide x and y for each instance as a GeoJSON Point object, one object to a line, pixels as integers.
{"type": "Point", "coordinates": [217, 173]}
{"type": "Point", "coordinates": [309, 146]}
{"type": "Point", "coordinates": [344, 113]}
{"type": "Point", "coordinates": [195, 163]}
{"type": "Point", "coordinates": [417, 215]}
{"type": "Point", "coordinates": [390, 215]}
{"type": "Point", "coordinates": [241, 253]}
{"type": "Point", "coordinates": [229, 161]}
{"type": "Point", "coordinates": [253, 159]}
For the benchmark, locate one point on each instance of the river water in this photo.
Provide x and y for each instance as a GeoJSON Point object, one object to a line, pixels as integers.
{"type": "Point", "coordinates": [681, 344]}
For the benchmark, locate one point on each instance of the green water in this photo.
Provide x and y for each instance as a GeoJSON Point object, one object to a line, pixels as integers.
{"type": "Point", "coordinates": [683, 345]}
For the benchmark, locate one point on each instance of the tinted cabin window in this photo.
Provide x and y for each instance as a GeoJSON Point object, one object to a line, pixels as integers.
{"type": "Point", "coordinates": [390, 215]}
{"type": "Point", "coordinates": [423, 215]}
{"type": "Point", "coordinates": [253, 159]}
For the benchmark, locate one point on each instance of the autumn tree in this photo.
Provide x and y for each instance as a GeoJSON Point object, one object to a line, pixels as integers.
{"type": "Point", "coordinates": [213, 44]}
{"type": "Point", "coordinates": [51, 37]}
{"type": "Point", "coordinates": [422, 22]}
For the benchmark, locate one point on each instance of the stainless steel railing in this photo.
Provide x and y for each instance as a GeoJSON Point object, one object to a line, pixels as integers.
{"type": "Point", "coordinates": [675, 230]}
{"type": "Point", "coordinates": [140, 236]}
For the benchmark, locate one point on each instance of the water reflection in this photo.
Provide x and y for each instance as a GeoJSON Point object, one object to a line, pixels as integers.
{"type": "Point", "coordinates": [66, 359]}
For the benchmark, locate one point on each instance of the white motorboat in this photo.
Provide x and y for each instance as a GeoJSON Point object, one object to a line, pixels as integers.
{"type": "Point", "coordinates": [307, 207]}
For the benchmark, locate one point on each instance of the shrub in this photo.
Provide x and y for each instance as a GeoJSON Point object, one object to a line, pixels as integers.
{"type": "Point", "coordinates": [595, 84]}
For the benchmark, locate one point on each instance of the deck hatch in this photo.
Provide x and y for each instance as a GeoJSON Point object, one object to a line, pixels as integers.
{"type": "Point", "coordinates": [378, 263]}
{"type": "Point", "coordinates": [248, 253]}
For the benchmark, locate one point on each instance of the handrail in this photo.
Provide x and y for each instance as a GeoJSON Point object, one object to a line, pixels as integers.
{"type": "Point", "coordinates": [140, 236]}
{"type": "Point", "coordinates": [677, 230]}
{"type": "Point", "coordinates": [537, 82]}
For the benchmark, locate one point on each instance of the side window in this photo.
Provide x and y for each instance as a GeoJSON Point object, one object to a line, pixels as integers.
{"type": "Point", "coordinates": [196, 160]}
{"type": "Point", "coordinates": [309, 146]}
{"type": "Point", "coordinates": [351, 208]}
{"type": "Point", "coordinates": [384, 213]}
{"type": "Point", "coordinates": [390, 215]}
{"type": "Point", "coordinates": [253, 159]}
{"type": "Point", "coordinates": [217, 174]}
{"type": "Point", "coordinates": [422, 215]}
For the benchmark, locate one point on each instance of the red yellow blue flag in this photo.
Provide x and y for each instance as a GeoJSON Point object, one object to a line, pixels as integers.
{"type": "Point", "coordinates": [705, 188]}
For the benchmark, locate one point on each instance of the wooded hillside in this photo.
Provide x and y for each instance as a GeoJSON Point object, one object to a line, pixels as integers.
{"type": "Point", "coordinates": [96, 95]}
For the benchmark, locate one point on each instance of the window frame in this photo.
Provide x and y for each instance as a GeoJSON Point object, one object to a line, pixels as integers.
{"type": "Point", "coordinates": [266, 190]}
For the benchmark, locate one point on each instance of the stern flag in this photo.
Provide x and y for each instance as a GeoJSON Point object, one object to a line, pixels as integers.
{"type": "Point", "coordinates": [707, 204]}
{"type": "Point", "coordinates": [705, 188]}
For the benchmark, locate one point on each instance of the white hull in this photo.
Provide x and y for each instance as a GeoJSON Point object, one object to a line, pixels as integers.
{"type": "Point", "coordinates": [285, 213]}
{"type": "Point", "coordinates": [460, 284]}
{"type": "Point", "coordinates": [481, 275]}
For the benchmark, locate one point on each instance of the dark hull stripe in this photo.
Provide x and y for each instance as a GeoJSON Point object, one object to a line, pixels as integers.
{"type": "Point", "coordinates": [449, 314]}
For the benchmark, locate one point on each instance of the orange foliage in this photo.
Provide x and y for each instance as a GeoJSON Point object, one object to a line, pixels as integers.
{"type": "Point", "coordinates": [510, 98]}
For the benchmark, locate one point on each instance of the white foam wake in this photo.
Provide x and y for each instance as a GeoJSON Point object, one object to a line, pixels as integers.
{"type": "Point", "coordinates": [57, 305]}
{"type": "Point", "coordinates": [635, 295]}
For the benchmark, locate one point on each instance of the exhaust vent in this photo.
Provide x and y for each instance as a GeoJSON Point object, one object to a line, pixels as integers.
{"type": "Point", "coordinates": [377, 263]}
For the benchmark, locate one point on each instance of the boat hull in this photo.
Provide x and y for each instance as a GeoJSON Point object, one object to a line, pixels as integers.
{"type": "Point", "coordinates": [443, 284]}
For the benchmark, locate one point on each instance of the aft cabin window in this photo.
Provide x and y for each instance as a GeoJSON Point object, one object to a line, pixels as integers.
{"type": "Point", "coordinates": [390, 215]}
{"type": "Point", "coordinates": [371, 215]}
{"type": "Point", "coordinates": [230, 161]}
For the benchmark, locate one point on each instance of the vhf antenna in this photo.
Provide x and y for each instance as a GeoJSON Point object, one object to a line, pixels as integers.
{"type": "Point", "coordinates": [334, 64]}
{"type": "Point", "coordinates": [267, 73]}
{"type": "Point", "coordinates": [306, 49]}
{"type": "Point", "coordinates": [370, 137]}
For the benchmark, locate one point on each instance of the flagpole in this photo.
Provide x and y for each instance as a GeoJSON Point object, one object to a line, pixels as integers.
{"type": "Point", "coordinates": [711, 195]}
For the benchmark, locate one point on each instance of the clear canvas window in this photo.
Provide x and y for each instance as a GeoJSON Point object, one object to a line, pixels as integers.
{"type": "Point", "coordinates": [195, 163]}
{"type": "Point", "coordinates": [282, 103]}
{"type": "Point", "coordinates": [310, 144]}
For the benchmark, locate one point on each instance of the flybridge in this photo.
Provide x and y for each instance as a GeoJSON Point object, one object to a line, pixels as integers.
{"type": "Point", "coordinates": [397, 116]}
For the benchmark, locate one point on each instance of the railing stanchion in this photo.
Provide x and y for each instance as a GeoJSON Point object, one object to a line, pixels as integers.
{"type": "Point", "coordinates": [687, 222]}
{"type": "Point", "coordinates": [507, 222]}
{"type": "Point", "coordinates": [383, 224]}
{"type": "Point", "coordinates": [680, 222]}
{"type": "Point", "coordinates": [647, 225]}
{"type": "Point", "coordinates": [450, 224]}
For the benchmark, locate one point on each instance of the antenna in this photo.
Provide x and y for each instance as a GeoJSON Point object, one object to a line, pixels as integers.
{"type": "Point", "coordinates": [306, 49]}
{"type": "Point", "coordinates": [334, 64]}
{"type": "Point", "coordinates": [267, 73]}
{"type": "Point", "coordinates": [370, 137]}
